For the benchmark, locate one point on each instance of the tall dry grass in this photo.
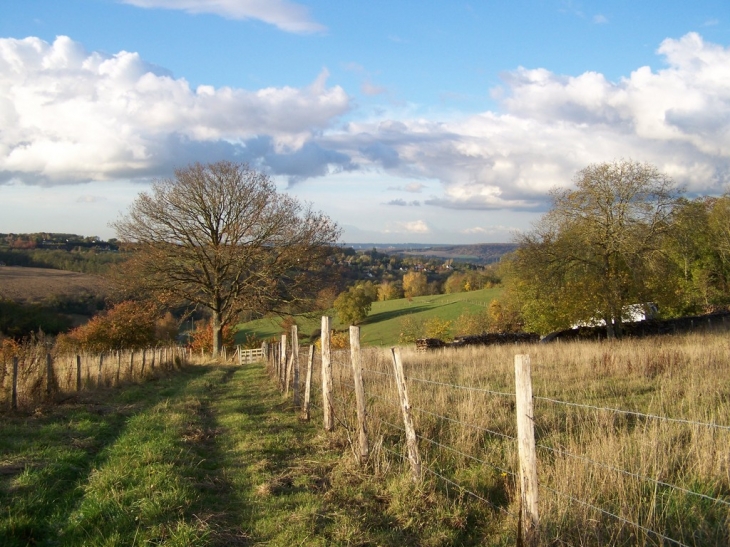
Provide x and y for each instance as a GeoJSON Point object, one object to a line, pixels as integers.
{"type": "Point", "coordinates": [606, 477]}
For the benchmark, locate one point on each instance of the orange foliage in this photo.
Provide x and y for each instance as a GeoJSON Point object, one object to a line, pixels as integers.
{"type": "Point", "coordinates": [202, 337]}
{"type": "Point", "coordinates": [128, 325]}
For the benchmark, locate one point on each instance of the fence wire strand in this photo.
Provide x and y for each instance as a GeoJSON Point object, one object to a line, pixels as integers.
{"type": "Point", "coordinates": [617, 517]}
{"type": "Point", "coordinates": [633, 475]}
{"type": "Point", "coordinates": [633, 413]}
{"type": "Point", "coordinates": [457, 386]}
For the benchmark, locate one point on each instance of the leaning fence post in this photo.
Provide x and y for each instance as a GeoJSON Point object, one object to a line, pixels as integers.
{"type": "Point", "coordinates": [411, 441]}
{"type": "Point", "coordinates": [526, 448]}
{"type": "Point", "coordinates": [78, 373]}
{"type": "Point", "coordinates": [295, 362]}
{"type": "Point", "coordinates": [356, 360]}
{"type": "Point", "coordinates": [308, 384]}
{"type": "Point", "coordinates": [14, 396]}
{"type": "Point", "coordinates": [327, 408]}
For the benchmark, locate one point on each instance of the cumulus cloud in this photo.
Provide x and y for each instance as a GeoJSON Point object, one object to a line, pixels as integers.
{"type": "Point", "coordinates": [407, 227]}
{"type": "Point", "coordinates": [288, 16]}
{"type": "Point", "coordinates": [71, 116]}
{"type": "Point", "coordinates": [550, 126]}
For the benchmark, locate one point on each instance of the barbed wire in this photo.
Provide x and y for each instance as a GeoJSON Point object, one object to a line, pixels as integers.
{"type": "Point", "coordinates": [457, 386]}
{"type": "Point", "coordinates": [477, 427]}
{"type": "Point", "coordinates": [633, 413]}
{"type": "Point", "coordinates": [617, 517]}
{"type": "Point", "coordinates": [467, 491]}
{"type": "Point", "coordinates": [632, 475]}
{"type": "Point", "coordinates": [453, 483]}
{"type": "Point", "coordinates": [378, 372]}
{"type": "Point", "coordinates": [469, 456]}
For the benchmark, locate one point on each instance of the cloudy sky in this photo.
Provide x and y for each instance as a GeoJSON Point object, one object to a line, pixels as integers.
{"type": "Point", "coordinates": [405, 121]}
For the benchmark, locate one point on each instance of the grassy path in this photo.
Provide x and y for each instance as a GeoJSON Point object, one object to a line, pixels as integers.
{"type": "Point", "coordinates": [210, 456]}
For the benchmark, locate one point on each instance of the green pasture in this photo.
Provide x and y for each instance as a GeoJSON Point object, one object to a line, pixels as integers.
{"type": "Point", "coordinates": [382, 326]}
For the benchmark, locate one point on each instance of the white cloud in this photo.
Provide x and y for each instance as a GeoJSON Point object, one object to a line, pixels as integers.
{"type": "Point", "coordinates": [551, 126]}
{"type": "Point", "coordinates": [90, 199]}
{"type": "Point", "coordinates": [407, 227]}
{"type": "Point", "coordinates": [71, 116]}
{"type": "Point", "coordinates": [599, 19]}
{"type": "Point", "coordinates": [288, 16]}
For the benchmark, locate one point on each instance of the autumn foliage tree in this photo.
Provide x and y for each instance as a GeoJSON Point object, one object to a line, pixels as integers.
{"type": "Point", "coordinates": [222, 238]}
{"type": "Point", "coordinates": [127, 325]}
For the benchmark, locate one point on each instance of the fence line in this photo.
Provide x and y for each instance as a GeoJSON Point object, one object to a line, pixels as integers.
{"type": "Point", "coordinates": [38, 376]}
{"type": "Point", "coordinates": [340, 364]}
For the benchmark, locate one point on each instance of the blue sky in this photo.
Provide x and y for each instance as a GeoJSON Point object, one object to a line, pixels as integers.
{"type": "Point", "coordinates": [406, 121]}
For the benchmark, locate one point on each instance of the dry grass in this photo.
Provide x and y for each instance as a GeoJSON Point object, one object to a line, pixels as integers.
{"type": "Point", "coordinates": [619, 463]}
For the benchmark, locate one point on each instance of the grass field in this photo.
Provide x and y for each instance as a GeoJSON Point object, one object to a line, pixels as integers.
{"type": "Point", "coordinates": [213, 455]}
{"type": "Point", "coordinates": [382, 326]}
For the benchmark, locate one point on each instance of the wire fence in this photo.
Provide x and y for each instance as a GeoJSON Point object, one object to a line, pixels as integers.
{"type": "Point", "coordinates": [36, 376]}
{"type": "Point", "coordinates": [619, 476]}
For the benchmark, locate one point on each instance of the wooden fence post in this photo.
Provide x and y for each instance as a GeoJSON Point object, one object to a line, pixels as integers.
{"type": "Point", "coordinates": [526, 448]}
{"type": "Point", "coordinates": [308, 384]}
{"type": "Point", "coordinates": [144, 360]}
{"type": "Point", "coordinates": [295, 362]}
{"type": "Point", "coordinates": [131, 364]}
{"type": "Point", "coordinates": [119, 365]}
{"type": "Point", "coordinates": [49, 375]}
{"type": "Point", "coordinates": [78, 373]}
{"type": "Point", "coordinates": [14, 395]}
{"type": "Point", "coordinates": [356, 361]}
{"type": "Point", "coordinates": [240, 356]}
{"type": "Point", "coordinates": [282, 362]}
{"type": "Point", "coordinates": [101, 364]}
{"type": "Point", "coordinates": [411, 441]}
{"type": "Point", "coordinates": [327, 408]}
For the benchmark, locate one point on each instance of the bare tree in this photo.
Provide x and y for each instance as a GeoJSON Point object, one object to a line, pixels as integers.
{"type": "Point", "coordinates": [600, 247]}
{"type": "Point", "coordinates": [220, 236]}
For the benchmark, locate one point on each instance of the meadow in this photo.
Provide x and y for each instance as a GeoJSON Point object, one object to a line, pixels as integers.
{"type": "Point", "coordinates": [632, 448]}
{"type": "Point", "coordinates": [382, 327]}
{"type": "Point", "coordinates": [632, 436]}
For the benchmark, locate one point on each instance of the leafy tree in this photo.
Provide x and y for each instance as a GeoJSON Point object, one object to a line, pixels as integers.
{"type": "Point", "coordinates": [389, 291]}
{"type": "Point", "coordinates": [415, 284]}
{"type": "Point", "coordinates": [353, 305]}
{"type": "Point", "coordinates": [219, 236]}
{"type": "Point", "coordinates": [127, 325]}
{"type": "Point", "coordinates": [598, 249]}
{"type": "Point", "coordinates": [472, 323]}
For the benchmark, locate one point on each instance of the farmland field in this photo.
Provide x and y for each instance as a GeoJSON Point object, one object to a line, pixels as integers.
{"type": "Point", "coordinates": [39, 284]}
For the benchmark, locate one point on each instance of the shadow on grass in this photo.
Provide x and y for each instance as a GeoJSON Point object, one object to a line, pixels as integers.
{"type": "Point", "coordinates": [46, 457]}
{"type": "Point", "coordinates": [393, 314]}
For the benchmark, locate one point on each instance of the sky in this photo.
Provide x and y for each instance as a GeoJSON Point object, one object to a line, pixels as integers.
{"type": "Point", "coordinates": [408, 121]}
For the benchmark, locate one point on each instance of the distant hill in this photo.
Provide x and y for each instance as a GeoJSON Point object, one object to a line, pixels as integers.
{"type": "Point", "coordinates": [482, 253]}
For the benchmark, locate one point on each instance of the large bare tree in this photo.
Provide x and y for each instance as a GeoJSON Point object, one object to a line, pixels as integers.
{"type": "Point", "coordinates": [219, 236]}
{"type": "Point", "coordinates": [599, 248]}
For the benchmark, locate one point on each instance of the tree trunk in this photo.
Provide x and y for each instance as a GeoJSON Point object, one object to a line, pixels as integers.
{"type": "Point", "coordinates": [217, 334]}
